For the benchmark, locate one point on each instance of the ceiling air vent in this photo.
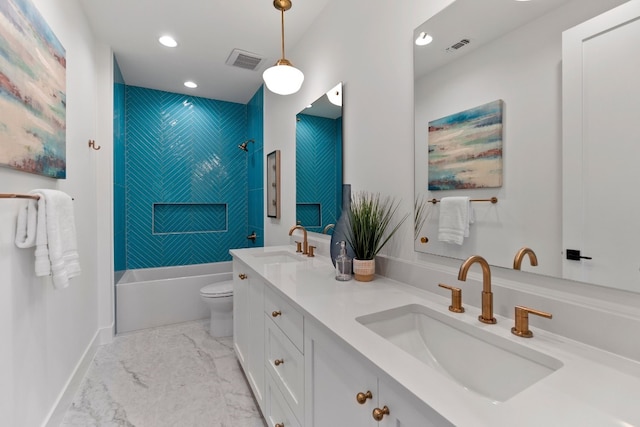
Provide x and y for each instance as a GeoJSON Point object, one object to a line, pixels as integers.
{"type": "Point", "coordinates": [244, 59]}
{"type": "Point", "coordinates": [462, 43]}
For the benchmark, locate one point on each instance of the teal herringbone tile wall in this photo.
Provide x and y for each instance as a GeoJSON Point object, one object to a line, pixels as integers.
{"type": "Point", "coordinates": [183, 150]}
{"type": "Point", "coordinates": [318, 166]}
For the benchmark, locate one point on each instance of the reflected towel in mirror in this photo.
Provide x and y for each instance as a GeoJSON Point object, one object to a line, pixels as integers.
{"type": "Point", "coordinates": [456, 214]}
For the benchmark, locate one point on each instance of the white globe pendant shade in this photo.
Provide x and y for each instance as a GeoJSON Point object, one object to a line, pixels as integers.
{"type": "Point", "coordinates": [283, 79]}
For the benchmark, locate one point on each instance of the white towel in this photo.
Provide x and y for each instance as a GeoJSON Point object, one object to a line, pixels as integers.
{"type": "Point", "coordinates": [56, 245]}
{"type": "Point", "coordinates": [456, 214]}
{"type": "Point", "coordinates": [26, 226]}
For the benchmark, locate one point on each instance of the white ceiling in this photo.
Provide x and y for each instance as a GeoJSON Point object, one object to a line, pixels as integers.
{"type": "Point", "coordinates": [206, 31]}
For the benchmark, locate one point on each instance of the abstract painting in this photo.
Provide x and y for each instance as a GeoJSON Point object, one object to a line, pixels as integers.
{"type": "Point", "coordinates": [32, 92]}
{"type": "Point", "coordinates": [465, 149]}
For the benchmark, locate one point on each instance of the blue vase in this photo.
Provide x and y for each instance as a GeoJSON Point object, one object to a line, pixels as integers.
{"type": "Point", "coordinates": [340, 230]}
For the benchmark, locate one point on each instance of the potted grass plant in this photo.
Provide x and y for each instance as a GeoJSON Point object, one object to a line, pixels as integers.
{"type": "Point", "coordinates": [369, 228]}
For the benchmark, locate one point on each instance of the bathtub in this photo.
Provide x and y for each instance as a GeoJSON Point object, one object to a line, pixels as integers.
{"type": "Point", "coordinates": [151, 297]}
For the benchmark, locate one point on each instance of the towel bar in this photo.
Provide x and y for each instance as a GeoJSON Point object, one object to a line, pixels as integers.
{"type": "Point", "coordinates": [19, 196]}
{"type": "Point", "coordinates": [493, 200]}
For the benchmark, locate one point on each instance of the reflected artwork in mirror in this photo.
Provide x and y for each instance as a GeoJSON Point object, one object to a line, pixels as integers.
{"type": "Point", "coordinates": [319, 162]}
{"type": "Point", "coordinates": [483, 50]}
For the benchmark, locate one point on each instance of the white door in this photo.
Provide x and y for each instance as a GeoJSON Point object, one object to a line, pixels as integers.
{"type": "Point", "coordinates": [601, 148]}
{"type": "Point", "coordinates": [334, 378]}
{"type": "Point", "coordinates": [405, 409]}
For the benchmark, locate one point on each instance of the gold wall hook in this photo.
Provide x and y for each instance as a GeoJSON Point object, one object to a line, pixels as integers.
{"type": "Point", "coordinates": [92, 144]}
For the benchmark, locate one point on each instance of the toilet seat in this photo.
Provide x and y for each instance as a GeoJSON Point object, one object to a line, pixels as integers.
{"type": "Point", "coordinates": [218, 290]}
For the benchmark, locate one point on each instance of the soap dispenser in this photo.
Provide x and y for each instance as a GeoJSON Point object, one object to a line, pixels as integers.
{"type": "Point", "coordinates": [343, 263]}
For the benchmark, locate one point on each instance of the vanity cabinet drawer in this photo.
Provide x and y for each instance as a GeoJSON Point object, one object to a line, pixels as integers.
{"type": "Point", "coordinates": [285, 363]}
{"type": "Point", "coordinates": [276, 410]}
{"type": "Point", "coordinates": [285, 316]}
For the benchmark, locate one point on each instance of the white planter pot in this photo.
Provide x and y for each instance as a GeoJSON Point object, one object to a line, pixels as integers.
{"type": "Point", "coordinates": [364, 270]}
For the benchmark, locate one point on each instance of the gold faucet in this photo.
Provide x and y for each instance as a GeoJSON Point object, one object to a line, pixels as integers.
{"type": "Point", "coordinates": [327, 228]}
{"type": "Point", "coordinates": [517, 261]}
{"type": "Point", "coordinates": [487, 295]}
{"type": "Point", "coordinates": [305, 244]}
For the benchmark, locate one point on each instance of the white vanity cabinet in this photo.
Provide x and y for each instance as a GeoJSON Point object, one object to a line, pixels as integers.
{"type": "Point", "coordinates": [344, 389]}
{"type": "Point", "coordinates": [302, 375]}
{"type": "Point", "coordinates": [241, 312]}
{"type": "Point", "coordinates": [283, 349]}
{"type": "Point", "coordinates": [248, 326]}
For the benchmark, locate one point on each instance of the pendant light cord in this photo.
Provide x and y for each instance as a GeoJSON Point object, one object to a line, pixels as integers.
{"type": "Point", "coordinates": [282, 26]}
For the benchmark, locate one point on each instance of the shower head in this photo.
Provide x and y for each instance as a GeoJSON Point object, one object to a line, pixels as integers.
{"type": "Point", "coordinates": [243, 146]}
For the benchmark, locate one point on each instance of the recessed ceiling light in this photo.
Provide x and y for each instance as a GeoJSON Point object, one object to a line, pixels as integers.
{"type": "Point", "coordinates": [168, 41]}
{"type": "Point", "coordinates": [190, 84]}
{"type": "Point", "coordinates": [423, 39]}
{"type": "Point", "coordinates": [309, 106]}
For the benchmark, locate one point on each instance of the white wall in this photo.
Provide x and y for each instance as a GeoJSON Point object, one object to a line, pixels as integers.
{"type": "Point", "coordinates": [369, 48]}
{"type": "Point", "coordinates": [47, 333]}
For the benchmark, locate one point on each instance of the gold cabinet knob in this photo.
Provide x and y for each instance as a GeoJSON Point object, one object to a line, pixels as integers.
{"type": "Point", "coordinates": [276, 313]}
{"type": "Point", "coordinates": [378, 414]}
{"type": "Point", "coordinates": [278, 362]}
{"type": "Point", "coordinates": [279, 425]}
{"type": "Point", "coordinates": [242, 276]}
{"type": "Point", "coordinates": [521, 328]}
{"type": "Point", "coordinates": [362, 397]}
{"type": "Point", "coordinates": [456, 298]}
{"type": "Point", "coordinates": [424, 239]}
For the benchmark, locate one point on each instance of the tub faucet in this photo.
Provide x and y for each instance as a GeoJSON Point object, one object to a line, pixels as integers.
{"type": "Point", "coordinates": [305, 244]}
{"type": "Point", "coordinates": [487, 295]}
{"type": "Point", "coordinates": [517, 261]}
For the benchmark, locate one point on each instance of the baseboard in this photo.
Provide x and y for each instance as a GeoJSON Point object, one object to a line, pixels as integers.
{"type": "Point", "coordinates": [56, 415]}
{"type": "Point", "coordinates": [106, 334]}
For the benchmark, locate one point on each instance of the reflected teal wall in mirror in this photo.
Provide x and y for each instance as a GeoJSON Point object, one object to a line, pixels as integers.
{"type": "Point", "coordinates": [319, 165]}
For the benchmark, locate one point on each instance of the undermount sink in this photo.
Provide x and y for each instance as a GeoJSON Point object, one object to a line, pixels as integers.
{"type": "Point", "coordinates": [279, 257]}
{"type": "Point", "coordinates": [490, 365]}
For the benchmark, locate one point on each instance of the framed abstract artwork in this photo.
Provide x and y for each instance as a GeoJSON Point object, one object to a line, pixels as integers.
{"type": "Point", "coordinates": [32, 92]}
{"type": "Point", "coordinates": [465, 149]}
{"type": "Point", "coordinates": [273, 184]}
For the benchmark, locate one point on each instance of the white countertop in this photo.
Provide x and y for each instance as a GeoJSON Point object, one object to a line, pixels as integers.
{"type": "Point", "coordinates": [592, 388]}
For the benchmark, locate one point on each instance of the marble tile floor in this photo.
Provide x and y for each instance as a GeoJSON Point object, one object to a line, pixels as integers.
{"type": "Point", "coordinates": [176, 375]}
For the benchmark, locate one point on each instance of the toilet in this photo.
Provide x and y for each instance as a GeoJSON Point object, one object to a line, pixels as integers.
{"type": "Point", "coordinates": [219, 298]}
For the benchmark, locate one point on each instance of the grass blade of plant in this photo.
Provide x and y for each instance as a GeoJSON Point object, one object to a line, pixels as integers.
{"type": "Point", "coordinates": [369, 219]}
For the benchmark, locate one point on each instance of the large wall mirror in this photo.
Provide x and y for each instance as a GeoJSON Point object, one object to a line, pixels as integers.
{"type": "Point", "coordinates": [319, 162]}
{"type": "Point", "coordinates": [503, 50]}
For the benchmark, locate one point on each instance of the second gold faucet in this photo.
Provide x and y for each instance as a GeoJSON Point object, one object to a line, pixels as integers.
{"type": "Point", "coordinates": [487, 295]}
{"type": "Point", "coordinates": [305, 243]}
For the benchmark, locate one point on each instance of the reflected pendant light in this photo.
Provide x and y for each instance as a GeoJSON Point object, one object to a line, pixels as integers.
{"type": "Point", "coordinates": [335, 95]}
{"type": "Point", "coordinates": [283, 78]}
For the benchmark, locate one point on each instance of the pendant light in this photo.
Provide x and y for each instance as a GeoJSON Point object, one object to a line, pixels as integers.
{"type": "Point", "coordinates": [283, 78]}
